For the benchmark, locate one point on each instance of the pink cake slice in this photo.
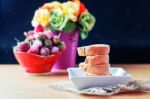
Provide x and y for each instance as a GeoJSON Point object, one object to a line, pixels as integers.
{"type": "Point", "coordinates": [102, 74]}
{"type": "Point", "coordinates": [102, 69]}
{"type": "Point", "coordinates": [92, 50]}
{"type": "Point", "coordinates": [97, 59]}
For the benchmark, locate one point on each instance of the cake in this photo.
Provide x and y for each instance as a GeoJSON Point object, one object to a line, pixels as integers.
{"type": "Point", "coordinates": [97, 59]}
{"type": "Point", "coordinates": [92, 50]}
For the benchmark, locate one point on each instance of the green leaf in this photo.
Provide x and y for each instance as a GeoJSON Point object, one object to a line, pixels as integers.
{"type": "Point", "coordinates": [70, 26]}
{"type": "Point", "coordinates": [86, 23]}
{"type": "Point", "coordinates": [17, 40]}
{"type": "Point", "coordinates": [30, 42]}
{"type": "Point", "coordinates": [58, 21]}
{"type": "Point", "coordinates": [84, 35]}
{"type": "Point", "coordinates": [47, 42]}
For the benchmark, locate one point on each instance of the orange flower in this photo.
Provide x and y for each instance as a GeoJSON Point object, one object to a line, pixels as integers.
{"type": "Point", "coordinates": [82, 8]}
{"type": "Point", "coordinates": [51, 6]}
{"type": "Point", "coordinates": [47, 6]}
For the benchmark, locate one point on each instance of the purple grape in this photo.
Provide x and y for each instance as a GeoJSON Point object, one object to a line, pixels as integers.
{"type": "Point", "coordinates": [30, 32]}
{"type": "Point", "coordinates": [37, 43]}
{"type": "Point", "coordinates": [44, 51]}
{"type": "Point", "coordinates": [23, 47]}
{"type": "Point", "coordinates": [29, 35]}
{"type": "Point", "coordinates": [56, 39]}
{"type": "Point", "coordinates": [62, 46]}
{"type": "Point", "coordinates": [38, 35]}
{"type": "Point", "coordinates": [54, 50]}
{"type": "Point", "coordinates": [33, 49]}
{"type": "Point", "coordinates": [48, 34]}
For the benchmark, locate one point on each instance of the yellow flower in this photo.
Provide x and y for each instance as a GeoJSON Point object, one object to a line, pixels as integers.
{"type": "Point", "coordinates": [41, 16]}
{"type": "Point", "coordinates": [71, 9]}
{"type": "Point", "coordinates": [52, 5]}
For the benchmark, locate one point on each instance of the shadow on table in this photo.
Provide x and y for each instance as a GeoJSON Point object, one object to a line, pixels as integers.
{"type": "Point", "coordinates": [118, 95]}
{"type": "Point", "coordinates": [58, 73]}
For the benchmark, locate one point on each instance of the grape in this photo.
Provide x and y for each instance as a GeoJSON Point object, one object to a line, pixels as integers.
{"type": "Point", "coordinates": [23, 47]}
{"type": "Point", "coordinates": [47, 42]}
{"type": "Point", "coordinates": [44, 51]}
{"type": "Point", "coordinates": [56, 39]}
{"type": "Point", "coordinates": [30, 32]}
{"type": "Point", "coordinates": [33, 49]}
{"type": "Point", "coordinates": [54, 50]}
{"type": "Point", "coordinates": [39, 28]}
{"type": "Point", "coordinates": [37, 43]}
{"type": "Point", "coordinates": [38, 35]}
{"type": "Point", "coordinates": [48, 34]}
{"type": "Point", "coordinates": [29, 35]}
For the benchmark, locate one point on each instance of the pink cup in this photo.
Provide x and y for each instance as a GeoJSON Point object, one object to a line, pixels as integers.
{"type": "Point", "coordinates": [68, 57]}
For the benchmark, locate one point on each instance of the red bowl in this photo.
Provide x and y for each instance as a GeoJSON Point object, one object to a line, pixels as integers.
{"type": "Point", "coordinates": [36, 64]}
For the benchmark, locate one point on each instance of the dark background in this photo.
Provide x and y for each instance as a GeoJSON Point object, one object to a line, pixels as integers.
{"type": "Point", "coordinates": [124, 24]}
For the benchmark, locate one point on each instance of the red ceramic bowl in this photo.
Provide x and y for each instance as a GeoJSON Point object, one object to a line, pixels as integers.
{"type": "Point", "coordinates": [36, 64]}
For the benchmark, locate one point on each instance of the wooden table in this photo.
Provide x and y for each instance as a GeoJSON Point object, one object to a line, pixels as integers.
{"type": "Point", "coordinates": [14, 84]}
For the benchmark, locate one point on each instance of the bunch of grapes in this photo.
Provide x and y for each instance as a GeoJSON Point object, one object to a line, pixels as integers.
{"type": "Point", "coordinates": [41, 42]}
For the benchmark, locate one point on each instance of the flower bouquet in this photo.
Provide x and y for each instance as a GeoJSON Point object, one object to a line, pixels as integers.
{"type": "Point", "coordinates": [67, 19]}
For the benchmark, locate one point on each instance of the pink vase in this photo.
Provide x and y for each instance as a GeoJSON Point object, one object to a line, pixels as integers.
{"type": "Point", "coordinates": [68, 57]}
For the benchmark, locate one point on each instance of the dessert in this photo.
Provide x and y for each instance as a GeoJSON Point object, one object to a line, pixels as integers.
{"type": "Point", "coordinates": [92, 74]}
{"type": "Point", "coordinates": [95, 69]}
{"type": "Point", "coordinates": [97, 59]}
{"type": "Point", "coordinates": [92, 50]}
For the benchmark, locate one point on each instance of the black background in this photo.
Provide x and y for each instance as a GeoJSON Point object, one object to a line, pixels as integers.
{"type": "Point", "coordinates": [123, 24]}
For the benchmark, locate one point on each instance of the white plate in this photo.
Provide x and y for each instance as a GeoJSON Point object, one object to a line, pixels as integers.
{"type": "Point", "coordinates": [118, 76]}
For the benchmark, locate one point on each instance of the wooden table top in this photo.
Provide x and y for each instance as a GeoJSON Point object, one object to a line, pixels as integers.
{"type": "Point", "coordinates": [14, 84]}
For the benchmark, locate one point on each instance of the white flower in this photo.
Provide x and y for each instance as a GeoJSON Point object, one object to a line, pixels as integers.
{"type": "Point", "coordinates": [71, 9]}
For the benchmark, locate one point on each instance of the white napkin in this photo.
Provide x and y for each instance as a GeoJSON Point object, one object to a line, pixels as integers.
{"type": "Point", "coordinates": [133, 86]}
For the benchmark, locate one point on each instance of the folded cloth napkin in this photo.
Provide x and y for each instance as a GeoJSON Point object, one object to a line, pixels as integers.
{"type": "Point", "coordinates": [133, 86]}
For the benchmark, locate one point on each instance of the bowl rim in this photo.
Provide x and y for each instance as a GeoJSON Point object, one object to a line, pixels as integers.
{"type": "Point", "coordinates": [102, 76]}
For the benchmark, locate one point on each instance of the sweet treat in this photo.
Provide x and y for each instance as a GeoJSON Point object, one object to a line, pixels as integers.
{"type": "Point", "coordinates": [97, 59]}
{"type": "Point", "coordinates": [91, 74]}
{"type": "Point", "coordinates": [82, 67]}
{"type": "Point", "coordinates": [92, 50]}
{"type": "Point", "coordinates": [102, 69]}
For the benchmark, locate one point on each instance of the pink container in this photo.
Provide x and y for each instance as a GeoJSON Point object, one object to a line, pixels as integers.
{"type": "Point", "coordinates": [68, 57]}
